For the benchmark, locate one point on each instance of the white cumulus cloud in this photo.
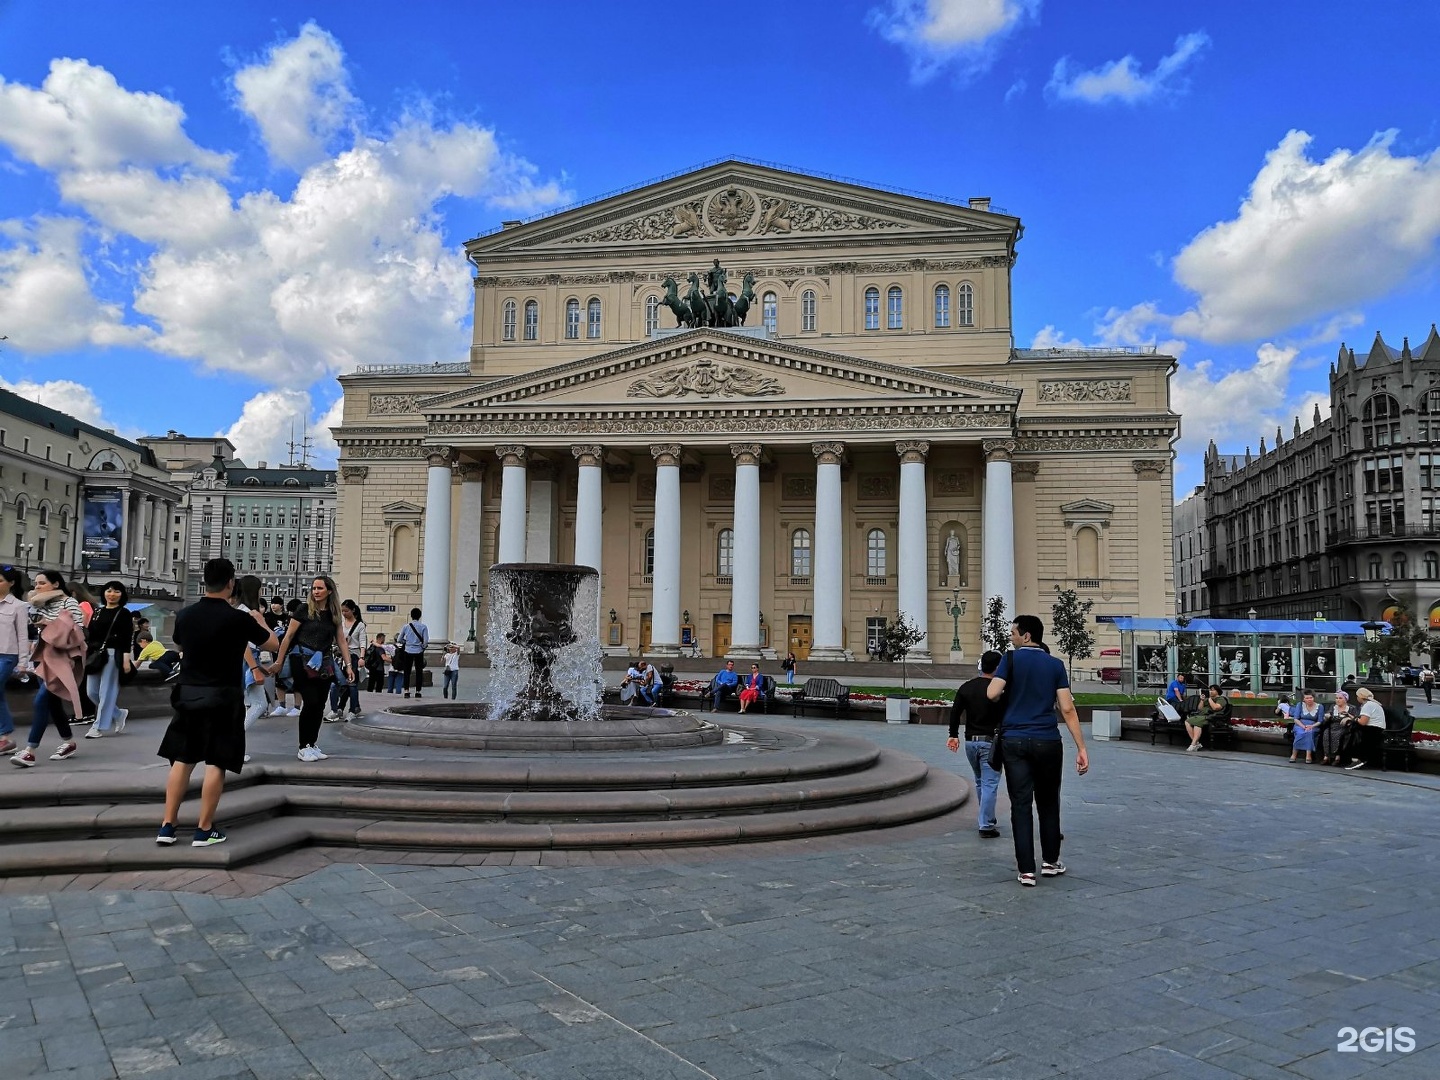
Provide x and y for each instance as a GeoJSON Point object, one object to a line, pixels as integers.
{"type": "Point", "coordinates": [937, 32]}
{"type": "Point", "coordinates": [63, 395]}
{"type": "Point", "coordinates": [298, 96]}
{"type": "Point", "coordinates": [1311, 240]}
{"type": "Point", "coordinates": [1123, 80]}
{"type": "Point", "coordinates": [81, 118]}
{"type": "Point", "coordinates": [271, 420]}
{"type": "Point", "coordinates": [46, 303]}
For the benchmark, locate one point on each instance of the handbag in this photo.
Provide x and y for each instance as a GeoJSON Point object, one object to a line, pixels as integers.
{"type": "Point", "coordinates": [95, 662]}
{"type": "Point", "coordinates": [996, 759]}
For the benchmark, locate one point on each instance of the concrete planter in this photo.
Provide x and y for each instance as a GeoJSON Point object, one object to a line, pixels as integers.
{"type": "Point", "coordinates": [1105, 725]}
{"type": "Point", "coordinates": [897, 708]}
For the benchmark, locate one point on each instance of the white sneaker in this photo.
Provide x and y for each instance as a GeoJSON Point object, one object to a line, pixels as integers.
{"type": "Point", "coordinates": [278, 710]}
{"type": "Point", "coordinates": [317, 754]}
{"type": "Point", "coordinates": [292, 712]}
{"type": "Point", "coordinates": [94, 733]}
{"type": "Point", "coordinates": [120, 715]}
{"type": "Point", "coordinates": [247, 759]}
{"type": "Point", "coordinates": [306, 753]}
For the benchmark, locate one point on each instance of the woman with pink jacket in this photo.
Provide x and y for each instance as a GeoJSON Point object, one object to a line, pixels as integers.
{"type": "Point", "coordinates": [59, 655]}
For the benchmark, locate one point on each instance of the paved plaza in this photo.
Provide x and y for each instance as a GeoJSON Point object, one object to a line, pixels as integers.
{"type": "Point", "coordinates": [1224, 916]}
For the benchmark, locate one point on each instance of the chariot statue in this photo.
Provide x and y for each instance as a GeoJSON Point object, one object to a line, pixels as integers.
{"type": "Point", "coordinates": [715, 305]}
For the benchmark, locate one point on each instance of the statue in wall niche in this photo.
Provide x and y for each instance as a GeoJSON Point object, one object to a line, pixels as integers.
{"type": "Point", "coordinates": [950, 568]}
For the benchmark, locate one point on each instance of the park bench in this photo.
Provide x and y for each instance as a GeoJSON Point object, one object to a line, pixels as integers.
{"type": "Point", "coordinates": [1162, 722]}
{"type": "Point", "coordinates": [764, 702]}
{"type": "Point", "coordinates": [830, 692]}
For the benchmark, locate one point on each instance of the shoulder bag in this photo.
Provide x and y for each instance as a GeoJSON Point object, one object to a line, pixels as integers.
{"type": "Point", "coordinates": [95, 662]}
{"type": "Point", "coordinates": [996, 760]}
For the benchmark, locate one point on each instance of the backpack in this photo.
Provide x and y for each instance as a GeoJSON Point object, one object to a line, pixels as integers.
{"type": "Point", "coordinates": [374, 658]}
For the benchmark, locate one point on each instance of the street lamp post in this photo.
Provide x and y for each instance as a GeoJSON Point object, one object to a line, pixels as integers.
{"type": "Point", "coordinates": [955, 607]}
{"type": "Point", "coordinates": [25, 550]}
{"type": "Point", "coordinates": [472, 601]}
{"type": "Point", "coordinates": [139, 562]}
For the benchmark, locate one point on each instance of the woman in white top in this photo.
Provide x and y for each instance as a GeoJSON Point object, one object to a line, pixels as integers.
{"type": "Point", "coordinates": [451, 687]}
{"type": "Point", "coordinates": [347, 680]}
{"type": "Point", "coordinates": [14, 647]}
{"type": "Point", "coordinates": [1371, 719]}
{"type": "Point", "coordinates": [50, 599]}
{"type": "Point", "coordinates": [257, 699]}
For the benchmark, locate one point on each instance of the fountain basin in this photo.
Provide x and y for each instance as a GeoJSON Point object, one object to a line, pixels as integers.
{"type": "Point", "coordinates": [466, 726]}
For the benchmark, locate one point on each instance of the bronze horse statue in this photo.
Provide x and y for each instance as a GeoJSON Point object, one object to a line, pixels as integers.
{"type": "Point", "coordinates": [743, 301]}
{"type": "Point", "coordinates": [700, 314]}
{"type": "Point", "coordinates": [675, 304]}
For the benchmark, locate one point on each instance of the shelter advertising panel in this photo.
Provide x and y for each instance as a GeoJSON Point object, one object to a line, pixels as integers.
{"type": "Point", "coordinates": [1195, 665]}
{"type": "Point", "coordinates": [103, 530]}
{"type": "Point", "coordinates": [1152, 665]}
{"type": "Point", "coordinates": [1236, 663]}
{"type": "Point", "coordinates": [1320, 670]}
{"type": "Point", "coordinates": [1277, 668]}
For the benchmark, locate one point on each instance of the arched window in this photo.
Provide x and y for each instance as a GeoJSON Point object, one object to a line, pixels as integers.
{"type": "Point", "coordinates": [592, 322]}
{"type": "Point", "coordinates": [648, 563]}
{"type": "Point", "coordinates": [532, 320]}
{"type": "Point", "coordinates": [507, 321]}
{"type": "Point", "coordinates": [20, 509]}
{"type": "Point", "coordinates": [875, 556]}
{"type": "Point", "coordinates": [725, 553]}
{"type": "Point", "coordinates": [1432, 566]}
{"type": "Point", "coordinates": [572, 319]}
{"type": "Point", "coordinates": [770, 312]}
{"type": "Point", "coordinates": [1399, 567]}
{"type": "Point", "coordinates": [1380, 421]}
{"type": "Point", "coordinates": [942, 307]}
{"type": "Point", "coordinates": [807, 310]}
{"type": "Point", "coordinates": [800, 553]}
{"type": "Point", "coordinates": [44, 514]}
{"type": "Point", "coordinates": [895, 308]}
{"type": "Point", "coordinates": [652, 315]}
{"type": "Point", "coordinates": [872, 308]}
{"type": "Point", "coordinates": [965, 306]}
{"type": "Point", "coordinates": [1087, 553]}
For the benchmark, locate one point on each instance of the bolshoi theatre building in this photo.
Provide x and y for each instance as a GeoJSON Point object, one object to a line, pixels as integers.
{"type": "Point", "coordinates": [773, 410]}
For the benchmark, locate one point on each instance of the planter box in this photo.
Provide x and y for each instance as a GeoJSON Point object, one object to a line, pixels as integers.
{"type": "Point", "coordinates": [1105, 725]}
{"type": "Point", "coordinates": [897, 709]}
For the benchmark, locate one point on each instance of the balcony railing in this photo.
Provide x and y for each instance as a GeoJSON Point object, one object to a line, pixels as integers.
{"type": "Point", "coordinates": [876, 580]}
{"type": "Point", "coordinates": [1377, 533]}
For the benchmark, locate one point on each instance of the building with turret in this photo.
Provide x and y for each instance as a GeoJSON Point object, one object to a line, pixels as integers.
{"type": "Point", "coordinates": [1339, 519]}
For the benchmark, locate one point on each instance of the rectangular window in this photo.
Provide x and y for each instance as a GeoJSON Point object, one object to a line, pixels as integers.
{"type": "Point", "coordinates": [874, 632]}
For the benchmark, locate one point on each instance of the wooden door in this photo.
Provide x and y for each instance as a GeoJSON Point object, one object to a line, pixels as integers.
{"type": "Point", "coordinates": [644, 632]}
{"type": "Point", "coordinates": [799, 636]}
{"type": "Point", "coordinates": [722, 635]}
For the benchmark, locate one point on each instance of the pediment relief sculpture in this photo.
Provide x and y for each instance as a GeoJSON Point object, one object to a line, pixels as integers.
{"type": "Point", "coordinates": [735, 211]}
{"type": "Point", "coordinates": [706, 378]}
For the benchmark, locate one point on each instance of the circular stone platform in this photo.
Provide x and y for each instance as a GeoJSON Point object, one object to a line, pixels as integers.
{"type": "Point", "coordinates": [461, 727]}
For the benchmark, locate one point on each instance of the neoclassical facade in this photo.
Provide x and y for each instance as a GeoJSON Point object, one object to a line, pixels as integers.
{"type": "Point", "coordinates": [869, 443]}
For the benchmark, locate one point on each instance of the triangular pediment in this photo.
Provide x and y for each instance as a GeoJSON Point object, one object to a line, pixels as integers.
{"type": "Point", "coordinates": [739, 201]}
{"type": "Point", "coordinates": [1091, 507]}
{"type": "Point", "coordinates": [702, 368]}
{"type": "Point", "coordinates": [402, 509]}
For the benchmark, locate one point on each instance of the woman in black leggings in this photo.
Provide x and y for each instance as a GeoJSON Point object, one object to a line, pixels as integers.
{"type": "Point", "coordinates": [312, 639]}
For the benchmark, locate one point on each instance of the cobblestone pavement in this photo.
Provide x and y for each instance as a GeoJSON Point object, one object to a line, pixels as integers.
{"type": "Point", "coordinates": [1224, 916]}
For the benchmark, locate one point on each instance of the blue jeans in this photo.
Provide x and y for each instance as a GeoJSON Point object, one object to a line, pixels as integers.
{"type": "Point", "coordinates": [451, 687]}
{"type": "Point", "coordinates": [104, 690]}
{"type": "Point", "coordinates": [344, 691]}
{"type": "Point", "coordinates": [7, 668]}
{"type": "Point", "coordinates": [49, 708]}
{"type": "Point", "coordinates": [987, 780]}
{"type": "Point", "coordinates": [394, 680]}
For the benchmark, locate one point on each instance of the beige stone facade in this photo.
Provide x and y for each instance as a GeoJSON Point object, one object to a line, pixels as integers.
{"type": "Point", "coordinates": [868, 444]}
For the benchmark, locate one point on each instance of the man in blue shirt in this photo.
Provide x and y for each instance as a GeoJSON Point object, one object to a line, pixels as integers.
{"type": "Point", "coordinates": [1175, 693]}
{"type": "Point", "coordinates": [1030, 741]}
{"type": "Point", "coordinates": [727, 683]}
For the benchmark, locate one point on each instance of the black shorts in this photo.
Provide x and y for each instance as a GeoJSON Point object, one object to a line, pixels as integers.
{"type": "Point", "coordinates": [208, 726]}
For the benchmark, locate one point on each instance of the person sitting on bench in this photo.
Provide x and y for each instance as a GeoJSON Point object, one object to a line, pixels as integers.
{"type": "Point", "coordinates": [726, 683]}
{"type": "Point", "coordinates": [155, 656]}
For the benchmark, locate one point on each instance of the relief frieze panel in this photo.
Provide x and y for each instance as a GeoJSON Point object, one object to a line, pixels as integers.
{"type": "Point", "coordinates": [393, 404]}
{"type": "Point", "coordinates": [955, 482]}
{"type": "Point", "coordinates": [706, 378]}
{"type": "Point", "coordinates": [1059, 391]}
{"type": "Point", "coordinates": [687, 425]}
{"type": "Point", "coordinates": [873, 487]}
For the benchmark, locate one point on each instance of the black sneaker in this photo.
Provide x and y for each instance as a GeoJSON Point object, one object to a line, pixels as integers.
{"type": "Point", "coordinates": [1354, 765]}
{"type": "Point", "coordinates": [989, 834]}
{"type": "Point", "coordinates": [207, 838]}
{"type": "Point", "coordinates": [166, 835]}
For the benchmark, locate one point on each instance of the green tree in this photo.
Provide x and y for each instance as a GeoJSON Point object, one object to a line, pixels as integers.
{"type": "Point", "coordinates": [1070, 623]}
{"type": "Point", "coordinates": [898, 638]}
{"type": "Point", "coordinates": [1393, 650]}
{"type": "Point", "coordinates": [994, 627]}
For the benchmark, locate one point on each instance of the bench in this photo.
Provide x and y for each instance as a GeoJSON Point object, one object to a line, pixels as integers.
{"type": "Point", "coordinates": [821, 691]}
{"type": "Point", "coordinates": [767, 697]}
{"type": "Point", "coordinates": [1160, 724]}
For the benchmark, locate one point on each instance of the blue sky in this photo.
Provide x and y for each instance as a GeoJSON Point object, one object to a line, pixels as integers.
{"type": "Point", "coordinates": [204, 218]}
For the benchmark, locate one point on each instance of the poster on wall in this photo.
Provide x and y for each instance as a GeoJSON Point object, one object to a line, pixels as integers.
{"type": "Point", "coordinates": [1195, 665]}
{"type": "Point", "coordinates": [1319, 669]}
{"type": "Point", "coordinates": [1234, 668]}
{"type": "Point", "coordinates": [1151, 665]}
{"type": "Point", "coordinates": [104, 523]}
{"type": "Point", "coordinates": [1275, 669]}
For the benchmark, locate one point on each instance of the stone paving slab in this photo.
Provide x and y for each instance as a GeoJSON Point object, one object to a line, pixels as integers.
{"type": "Point", "coordinates": [1224, 916]}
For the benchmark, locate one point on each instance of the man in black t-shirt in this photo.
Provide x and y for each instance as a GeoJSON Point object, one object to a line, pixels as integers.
{"type": "Point", "coordinates": [209, 702]}
{"type": "Point", "coordinates": [982, 718]}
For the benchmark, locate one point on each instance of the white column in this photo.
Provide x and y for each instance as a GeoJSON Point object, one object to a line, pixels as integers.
{"type": "Point", "coordinates": [829, 580]}
{"type": "Point", "coordinates": [134, 530]}
{"type": "Point", "coordinates": [745, 582]}
{"type": "Point", "coordinates": [997, 552]}
{"type": "Point", "coordinates": [435, 582]}
{"type": "Point", "coordinates": [159, 537]}
{"type": "Point", "coordinates": [914, 569]}
{"type": "Point", "coordinates": [512, 504]}
{"type": "Point", "coordinates": [467, 549]}
{"type": "Point", "coordinates": [588, 528]}
{"type": "Point", "coordinates": [665, 601]}
{"type": "Point", "coordinates": [540, 512]}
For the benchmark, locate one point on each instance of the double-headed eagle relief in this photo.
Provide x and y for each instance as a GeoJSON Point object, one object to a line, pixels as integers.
{"type": "Point", "coordinates": [715, 307]}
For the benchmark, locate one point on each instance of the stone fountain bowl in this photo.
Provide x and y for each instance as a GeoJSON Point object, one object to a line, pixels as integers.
{"type": "Point", "coordinates": [467, 726]}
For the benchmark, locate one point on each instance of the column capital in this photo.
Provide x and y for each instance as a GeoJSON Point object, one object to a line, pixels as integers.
{"type": "Point", "coordinates": [437, 456]}
{"type": "Point", "coordinates": [511, 454]}
{"type": "Point", "coordinates": [354, 474]}
{"type": "Point", "coordinates": [828, 453]}
{"type": "Point", "coordinates": [588, 454]}
{"type": "Point", "coordinates": [998, 449]}
{"type": "Point", "coordinates": [746, 453]}
{"type": "Point", "coordinates": [471, 472]}
{"type": "Point", "coordinates": [1149, 468]}
{"type": "Point", "coordinates": [666, 453]}
{"type": "Point", "coordinates": [912, 450]}
{"type": "Point", "coordinates": [1024, 470]}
